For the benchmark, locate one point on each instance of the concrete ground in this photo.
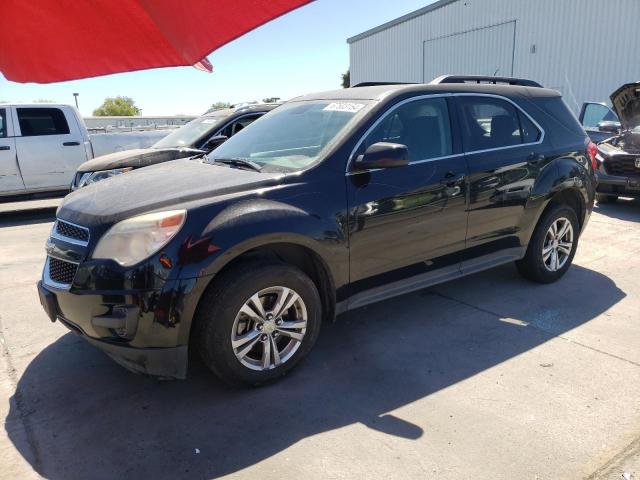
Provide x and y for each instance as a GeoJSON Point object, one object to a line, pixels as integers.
{"type": "Point", "coordinates": [488, 377]}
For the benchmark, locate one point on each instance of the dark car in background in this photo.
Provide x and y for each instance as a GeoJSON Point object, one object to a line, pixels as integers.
{"type": "Point", "coordinates": [618, 155]}
{"type": "Point", "coordinates": [195, 138]}
{"type": "Point", "coordinates": [331, 202]}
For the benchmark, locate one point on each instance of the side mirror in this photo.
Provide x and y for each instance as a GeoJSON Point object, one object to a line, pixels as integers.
{"type": "Point", "coordinates": [215, 142]}
{"type": "Point", "coordinates": [609, 127]}
{"type": "Point", "coordinates": [383, 155]}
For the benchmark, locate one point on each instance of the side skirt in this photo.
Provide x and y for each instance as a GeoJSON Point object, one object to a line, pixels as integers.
{"type": "Point", "coordinates": [418, 282]}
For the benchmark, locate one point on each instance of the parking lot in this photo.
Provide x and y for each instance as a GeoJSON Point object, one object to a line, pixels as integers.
{"type": "Point", "coordinates": [485, 377]}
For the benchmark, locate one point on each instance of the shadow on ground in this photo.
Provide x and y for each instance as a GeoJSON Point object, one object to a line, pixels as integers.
{"type": "Point", "coordinates": [87, 418]}
{"type": "Point", "coordinates": [624, 209]}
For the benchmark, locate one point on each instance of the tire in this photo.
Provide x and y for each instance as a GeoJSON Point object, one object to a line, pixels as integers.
{"type": "Point", "coordinates": [537, 266]}
{"type": "Point", "coordinates": [227, 310]}
{"type": "Point", "coordinates": [602, 198]}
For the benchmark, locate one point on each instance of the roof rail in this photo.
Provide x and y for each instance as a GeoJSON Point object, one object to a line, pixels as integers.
{"type": "Point", "coordinates": [376, 84]}
{"type": "Point", "coordinates": [523, 82]}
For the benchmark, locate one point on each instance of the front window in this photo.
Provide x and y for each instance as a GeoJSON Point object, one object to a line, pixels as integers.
{"type": "Point", "coordinates": [192, 133]}
{"type": "Point", "coordinates": [294, 136]}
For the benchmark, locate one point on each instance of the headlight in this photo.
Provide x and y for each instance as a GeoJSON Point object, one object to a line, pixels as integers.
{"type": "Point", "coordinates": [93, 177]}
{"type": "Point", "coordinates": [137, 238]}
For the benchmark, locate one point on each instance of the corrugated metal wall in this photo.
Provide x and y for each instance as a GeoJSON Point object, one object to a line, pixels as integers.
{"type": "Point", "coordinates": [584, 48]}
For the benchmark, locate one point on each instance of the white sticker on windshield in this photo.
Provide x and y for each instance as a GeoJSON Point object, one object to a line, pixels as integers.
{"type": "Point", "coordinates": [344, 107]}
{"type": "Point", "coordinates": [209, 121]}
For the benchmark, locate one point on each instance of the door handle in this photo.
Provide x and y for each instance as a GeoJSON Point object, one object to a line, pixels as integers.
{"type": "Point", "coordinates": [70, 144]}
{"type": "Point", "coordinates": [5, 147]}
{"type": "Point", "coordinates": [451, 179]}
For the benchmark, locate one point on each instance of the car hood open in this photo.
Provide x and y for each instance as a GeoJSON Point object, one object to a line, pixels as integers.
{"type": "Point", "coordinates": [626, 103]}
{"type": "Point", "coordinates": [159, 187]}
{"type": "Point", "coordinates": [137, 158]}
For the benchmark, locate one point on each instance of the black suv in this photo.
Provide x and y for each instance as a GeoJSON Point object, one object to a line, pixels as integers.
{"type": "Point", "coordinates": [328, 203]}
{"type": "Point", "coordinates": [199, 136]}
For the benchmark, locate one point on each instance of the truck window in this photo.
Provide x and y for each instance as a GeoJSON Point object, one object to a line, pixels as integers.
{"type": "Point", "coordinates": [42, 121]}
{"type": "Point", "coordinates": [3, 123]}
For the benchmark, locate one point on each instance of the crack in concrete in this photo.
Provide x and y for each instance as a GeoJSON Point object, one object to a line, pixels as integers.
{"type": "Point", "coordinates": [23, 413]}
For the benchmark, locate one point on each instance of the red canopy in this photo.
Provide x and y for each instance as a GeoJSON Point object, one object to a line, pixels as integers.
{"type": "Point", "coordinates": [54, 40]}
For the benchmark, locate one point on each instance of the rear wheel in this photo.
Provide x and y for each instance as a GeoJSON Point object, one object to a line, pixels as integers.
{"type": "Point", "coordinates": [602, 198]}
{"type": "Point", "coordinates": [257, 323]}
{"type": "Point", "coordinates": [552, 247]}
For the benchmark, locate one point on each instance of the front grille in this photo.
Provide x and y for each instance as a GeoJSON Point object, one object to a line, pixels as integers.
{"type": "Point", "coordinates": [62, 272]}
{"type": "Point", "coordinates": [74, 232]}
{"type": "Point", "coordinates": [622, 165]}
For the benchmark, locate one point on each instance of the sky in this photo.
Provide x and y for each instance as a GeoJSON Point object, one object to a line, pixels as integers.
{"type": "Point", "coordinates": [302, 52]}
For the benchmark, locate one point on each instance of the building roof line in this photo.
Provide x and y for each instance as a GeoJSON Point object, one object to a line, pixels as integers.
{"type": "Point", "coordinates": [399, 20]}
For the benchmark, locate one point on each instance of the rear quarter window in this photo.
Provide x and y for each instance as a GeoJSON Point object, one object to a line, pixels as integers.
{"type": "Point", "coordinates": [42, 121]}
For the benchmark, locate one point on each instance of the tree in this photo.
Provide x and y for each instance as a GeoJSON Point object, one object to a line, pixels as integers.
{"type": "Point", "coordinates": [346, 79]}
{"type": "Point", "coordinates": [117, 106]}
{"type": "Point", "coordinates": [43, 100]}
{"type": "Point", "coordinates": [220, 105]}
{"type": "Point", "coordinates": [271, 100]}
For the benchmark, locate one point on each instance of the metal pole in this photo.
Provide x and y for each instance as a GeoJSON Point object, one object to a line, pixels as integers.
{"type": "Point", "coordinates": [75, 96]}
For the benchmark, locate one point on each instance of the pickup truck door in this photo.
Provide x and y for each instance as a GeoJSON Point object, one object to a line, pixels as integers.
{"type": "Point", "coordinates": [50, 146]}
{"type": "Point", "coordinates": [10, 179]}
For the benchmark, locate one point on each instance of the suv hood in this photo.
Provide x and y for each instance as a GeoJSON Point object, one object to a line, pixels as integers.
{"type": "Point", "coordinates": [159, 187]}
{"type": "Point", "coordinates": [139, 157]}
{"type": "Point", "coordinates": [626, 103]}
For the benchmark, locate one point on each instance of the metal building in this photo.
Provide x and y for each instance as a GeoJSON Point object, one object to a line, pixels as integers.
{"type": "Point", "coordinates": [583, 48]}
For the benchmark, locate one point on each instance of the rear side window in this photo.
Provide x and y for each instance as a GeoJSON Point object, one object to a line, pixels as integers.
{"type": "Point", "coordinates": [235, 127]}
{"type": "Point", "coordinates": [3, 123]}
{"type": "Point", "coordinates": [494, 123]}
{"type": "Point", "coordinates": [422, 125]}
{"type": "Point", "coordinates": [594, 113]}
{"type": "Point", "coordinates": [42, 121]}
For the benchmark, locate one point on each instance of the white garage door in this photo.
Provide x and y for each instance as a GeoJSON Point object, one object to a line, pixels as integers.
{"type": "Point", "coordinates": [484, 51]}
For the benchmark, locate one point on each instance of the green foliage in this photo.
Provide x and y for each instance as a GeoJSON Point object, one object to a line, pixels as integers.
{"type": "Point", "coordinates": [346, 79]}
{"type": "Point", "coordinates": [117, 106]}
{"type": "Point", "coordinates": [220, 105]}
{"type": "Point", "coordinates": [43, 100]}
{"type": "Point", "coordinates": [271, 100]}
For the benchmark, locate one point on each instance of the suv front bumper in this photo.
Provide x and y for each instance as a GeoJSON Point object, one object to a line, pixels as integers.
{"type": "Point", "coordinates": [618, 185]}
{"type": "Point", "coordinates": [119, 326]}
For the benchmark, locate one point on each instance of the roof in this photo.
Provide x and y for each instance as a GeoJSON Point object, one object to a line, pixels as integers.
{"type": "Point", "coordinates": [380, 92]}
{"type": "Point", "coordinates": [399, 20]}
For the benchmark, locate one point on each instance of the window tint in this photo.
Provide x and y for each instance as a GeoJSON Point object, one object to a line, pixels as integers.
{"type": "Point", "coordinates": [595, 113]}
{"type": "Point", "coordinates": [494, 123]}
{"type": "Point", "coordinates": [530, 132]}
{"type": "Point", "coordinates": [235, 127]}
{"type": "Point", "coordinates": [42, 121]}
{"type": "Point", "coordinates": [422, 125]}
{"type": "Point", "coordinates": [3, 123]}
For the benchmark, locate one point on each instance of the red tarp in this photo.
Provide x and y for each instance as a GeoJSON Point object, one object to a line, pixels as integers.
{"type": "Point", "coordinates": [54, 40]}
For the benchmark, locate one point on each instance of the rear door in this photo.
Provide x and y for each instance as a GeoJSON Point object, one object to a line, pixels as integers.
{"type": "Point", "coordinates": [10, 179]}
{"type": "Point", "coordinates": [50, 146]}
{"type": "Point", "coordinates": [504, 155]}
{"type": "Point", "coordinates": [408, 223]}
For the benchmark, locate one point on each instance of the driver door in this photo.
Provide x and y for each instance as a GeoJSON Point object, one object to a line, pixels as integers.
{"type": "Point", "coordinates": [408, 224]}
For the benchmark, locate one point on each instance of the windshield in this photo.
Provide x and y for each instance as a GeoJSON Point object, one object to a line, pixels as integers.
{"type": "Point", "coordinates": [190, 134]}
{"type": "Point", "coordinates": [293, 136]}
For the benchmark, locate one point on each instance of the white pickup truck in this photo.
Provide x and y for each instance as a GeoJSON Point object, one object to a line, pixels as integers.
{"type": "Point", "coordinates": [42, 145]}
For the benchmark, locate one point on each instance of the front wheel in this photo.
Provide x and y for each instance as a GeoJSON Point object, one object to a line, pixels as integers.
{"type": "Point", "coordinates": [257, 322]}
{"type": "Point", "coordinates": [552, 247]}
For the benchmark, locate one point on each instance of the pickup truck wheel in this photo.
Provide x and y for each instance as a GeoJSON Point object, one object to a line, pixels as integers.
{"type": "Point", "coordinates": [552, 246]}
{"type": "Point", "coordinates": [602, 198]}
{"type": "Point", "coordinates": [257, 323]}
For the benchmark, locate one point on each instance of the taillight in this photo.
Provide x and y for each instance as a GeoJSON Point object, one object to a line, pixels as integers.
{"type": "Point", "coordinates": [592, 151]}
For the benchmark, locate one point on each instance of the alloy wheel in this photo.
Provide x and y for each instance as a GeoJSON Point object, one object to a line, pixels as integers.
{"type": "Point", "coordinates": [558, 244]}
{"type": "Point", "coordinates": [269, 328]}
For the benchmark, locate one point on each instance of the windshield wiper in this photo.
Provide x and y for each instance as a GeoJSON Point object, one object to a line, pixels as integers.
{"type": "Point", "coordinates": [239, 162]}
